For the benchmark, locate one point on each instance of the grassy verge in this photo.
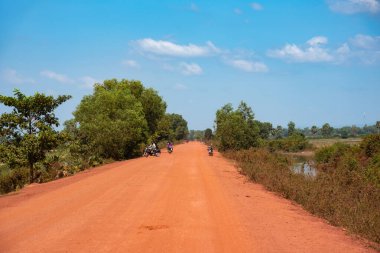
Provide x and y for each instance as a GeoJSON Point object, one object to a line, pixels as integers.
{"type": "Point", "coordinates": [345, 191]}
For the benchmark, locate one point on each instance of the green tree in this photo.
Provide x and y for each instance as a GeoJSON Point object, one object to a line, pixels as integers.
{"type": "Point", "coordinates": [291, 128]}
{"type": "Point", "coordinates": [208, 134]}
{"type": "Point", "coordinates": [112, 119]}
{"type": "Point", "coordinates": [179, 126]}
{"type": "Point", "coordinates": [378, 126]}
{"type": "Point", "coordinates": [278, 132]}
{"type": "Point", "coordinates": [314, 130]}
{"type": "Point", "coordinates": [236, 129]}
{"type": "Point", "coordinates": [327, 130]}
{"type": "Point", "coordinates": [265, 129]}
{"type": "Point", "coordinates": [27, 132]}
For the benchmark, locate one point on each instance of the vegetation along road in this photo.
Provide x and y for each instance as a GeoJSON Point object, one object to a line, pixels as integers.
{"type": "Point", "coordinates": [181, 202]}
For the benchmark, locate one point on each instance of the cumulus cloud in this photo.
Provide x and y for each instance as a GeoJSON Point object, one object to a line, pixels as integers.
{"type": "Point", "coordinates": [130, 64]}
{"type": "Point", "coordinates": [366, 42]}
{"type": "Point", "coordinates": [256, 6]}
{"type": "Point", "coordinates": [361, 48]}
{"type": "Point", "coordinates": [248, 66]}
{"type": "Point", "coordinates": [190, 68]}
{"type": "Point", "coordinates": [313, 52]}
{"type": "Point", "coordinates": [318, 40]}
{"type": "Point", "coordinates": [55, 76]}
{"type": "Point", "coordinates": [162, 47]}
{"type": "Point", "coordinates": [354, 6]}
{"type": "Point", "coordinates": [11, 76]}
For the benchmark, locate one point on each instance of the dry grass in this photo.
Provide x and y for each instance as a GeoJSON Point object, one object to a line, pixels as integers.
{"type": "Point", "coordinates": [318, 143]}
{"type": "Point", "coordinates": [345, 190]}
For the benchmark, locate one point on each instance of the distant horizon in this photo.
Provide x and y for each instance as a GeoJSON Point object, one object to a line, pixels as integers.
{"type": "Point", "coordinates": [310, 62]}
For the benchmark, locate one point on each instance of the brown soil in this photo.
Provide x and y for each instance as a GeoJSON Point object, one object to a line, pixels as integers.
{"type": "Point", "coordinates": [180, 202]}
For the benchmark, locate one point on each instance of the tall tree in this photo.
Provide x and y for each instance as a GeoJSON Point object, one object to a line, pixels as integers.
{"type": "Point", "coordinates": [314, 130]}
{"type": "Point", "coordinates": [291, 128]}
{"type": "Point", "coordinates": [326, 130]}
{"type": "Point", "coordinates": [113, 120]}
{"type": "Point", "coordinates": [236, 129]}
{"type": "Point", "coordinates": [27, 131]}
{"type": "Point", "coordinates": [208, 134]}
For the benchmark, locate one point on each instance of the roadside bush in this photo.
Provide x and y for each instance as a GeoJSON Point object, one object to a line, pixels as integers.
{"type": "Point", "coordinates": [13, 179]}
{"type": "Point", "coordinates": [294, 143]}
{"type": "Point", "coordinates": [345, 191]}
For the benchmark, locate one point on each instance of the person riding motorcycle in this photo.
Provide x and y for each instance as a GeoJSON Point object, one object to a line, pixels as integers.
{"type": "Point", "coordinates": [210, 150]}
{"type": "Point", "coordinates": [169, 146]}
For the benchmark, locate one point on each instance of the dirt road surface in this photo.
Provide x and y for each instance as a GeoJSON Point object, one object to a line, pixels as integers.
{"type": "Point", "coordinates": [180, 202]}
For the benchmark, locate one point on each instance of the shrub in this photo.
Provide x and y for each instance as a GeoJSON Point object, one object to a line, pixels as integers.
{"type": "Point", "coordinates": [13, 179]}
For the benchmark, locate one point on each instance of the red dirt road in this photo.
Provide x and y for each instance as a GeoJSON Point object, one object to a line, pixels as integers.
{"type": "Point", "coordinates": [180, 202]}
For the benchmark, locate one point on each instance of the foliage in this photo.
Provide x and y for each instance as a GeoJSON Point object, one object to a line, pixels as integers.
{"type": "Point", "coordinates": [236, 129]}
{"type": "Point", "coordinates": [27, 132]}
{"type": "Point", "coordinates": [208, 134]}
{"type": "Point", "coordinates": [112, 120]}
{"type": "Point", "coordinates": [345, 191]}
{"type": "Point", "coordinates": [291, 128]}
{"type": "Point", "coordinates": [196, 135]}
{"type": "Point", "coordinates": [178, 125]}
{"type": "Point", "coordinates": [294, 143]}
{"type": "Point", "coordinates": [12, 179]}
{"type": "Point", "coordinates": [326, 130]}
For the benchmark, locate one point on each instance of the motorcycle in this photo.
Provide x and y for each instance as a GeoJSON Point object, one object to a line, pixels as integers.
{"type": "Point", "coordinates": [210, 151]}
{"type": "Point", "coordinates": [149, 151]}
{"type": "Point", "coordinates": [170, 150]}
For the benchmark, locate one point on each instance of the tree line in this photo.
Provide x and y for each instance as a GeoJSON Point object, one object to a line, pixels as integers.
{"type": "Point", "coordinates": [115, 122]}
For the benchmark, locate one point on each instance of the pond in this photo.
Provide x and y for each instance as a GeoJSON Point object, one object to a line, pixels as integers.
{"type": "Point", "coordinates": [305, 168]}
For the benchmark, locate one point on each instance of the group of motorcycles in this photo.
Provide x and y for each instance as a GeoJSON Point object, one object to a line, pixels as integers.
{"type": "Point", "coordinates": [153, 150]}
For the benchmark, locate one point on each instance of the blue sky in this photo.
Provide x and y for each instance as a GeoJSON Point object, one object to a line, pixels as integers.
{"type": "Point", "coordinates": [310, 62]}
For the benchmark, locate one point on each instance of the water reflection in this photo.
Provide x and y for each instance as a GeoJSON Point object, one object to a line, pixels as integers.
{"type": "Point", "coordinates": [305, 168]}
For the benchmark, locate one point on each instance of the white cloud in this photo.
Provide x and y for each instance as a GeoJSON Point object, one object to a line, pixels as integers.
{"type": "Point", "coordinates": [366, 42]}
{"type": "Point", "coordinates": [318, 40]}
{"type": "Point", "coordinates": [248, 66]}
{"type": "Point", "coordinates": [361, 48]}
{"type": "Point", "coordinates": [88, 81]}
{"type": "Point", "coordinates": [180, 86]}
{"type": "Point", "coordinates": [190, 68]}
{"type": "Point", "coordinates": [55, 76]}
{"type": "Point", "coordinates": [256, 6]}
{"type": "Point", "coordinates": [161, 47]}
{"type": "Point", "coordinates": [354, 6]}
{"type": "Point", "coordinates": [131, 64]}
{"type": "Point", "coordinates": [238, 11]}
{"type": "Point", "coordinates": [312, 53]}
{"type": "Point", "coordinates": [11, 76]}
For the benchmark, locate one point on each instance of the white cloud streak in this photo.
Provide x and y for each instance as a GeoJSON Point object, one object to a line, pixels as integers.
{"type": "Point", "coordinates": [312, 53]}
{"type": "Point", "coordinates": [161, 47]}
{"type": "Point", "coordinates": [11, 76]}
{"type": "Point", "coordinates": [256, 6]}
{"type": "Point", "coordinates": [248, 66]}
{"type": "Point", "coordinates": [354, 6]}
{"type": "Point", "coordinates": [55, 76]}
{"type": "Point", "coordinates": [130, 64]}
{"type": "Point", "coordinates": [361, 48]}
{"type": "Point", "coordinates": [190, 69]}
